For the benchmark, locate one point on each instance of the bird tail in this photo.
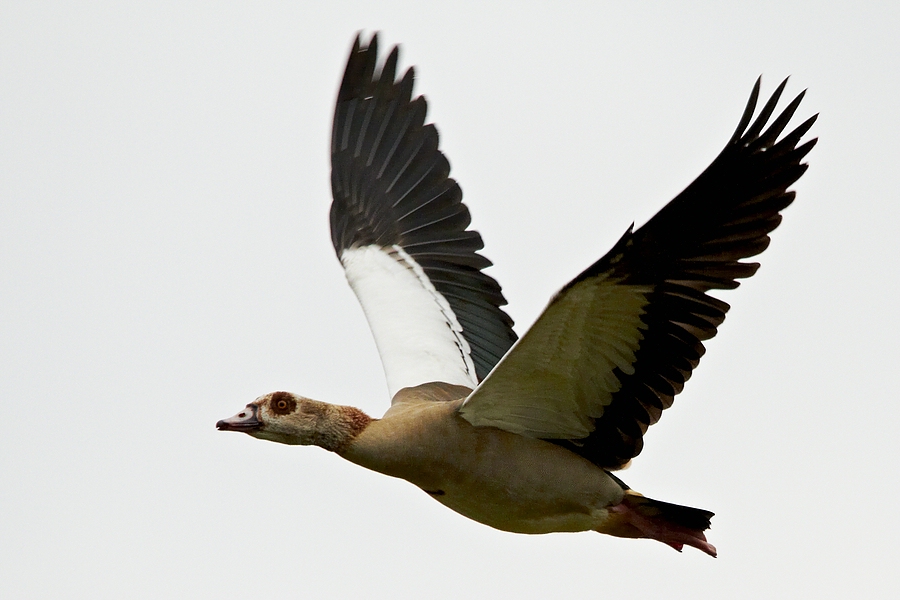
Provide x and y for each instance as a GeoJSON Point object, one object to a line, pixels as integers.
{"type": "Point", "coordinates": [640, 517]}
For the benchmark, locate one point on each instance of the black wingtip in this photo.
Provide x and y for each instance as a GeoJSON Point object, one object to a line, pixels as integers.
{"type": "Point", "coordinates": [764, 114]}
{"type": "Point", "coordinates": [373, 43]}
{"type": "Point", "coordinates": [388, 72]}
{"type": "Point", "coordinates": [356, 63]}
{"type": "Point", "coordinates": [748, 111]}
{"type": "Point", "coordinates": [768, 138]}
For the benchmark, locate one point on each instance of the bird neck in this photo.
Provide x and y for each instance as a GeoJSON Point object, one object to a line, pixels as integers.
{"type": "Point", "coordinates": [339, 426]}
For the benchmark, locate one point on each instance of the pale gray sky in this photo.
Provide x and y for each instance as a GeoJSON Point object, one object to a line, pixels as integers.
{"type": "Point", "coordinates": [165, 258]}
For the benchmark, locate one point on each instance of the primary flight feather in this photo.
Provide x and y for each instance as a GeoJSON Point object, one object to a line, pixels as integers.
{"type": "Point", "coordinates": [522, 435]}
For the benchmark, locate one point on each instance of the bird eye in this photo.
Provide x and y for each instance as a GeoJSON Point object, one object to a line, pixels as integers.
{"type": "Point", "coordinates": [281, 403]}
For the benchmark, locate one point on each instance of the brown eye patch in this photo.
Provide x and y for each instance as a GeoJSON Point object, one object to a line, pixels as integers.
{"type": "Point", "coordinates": [282, 403]}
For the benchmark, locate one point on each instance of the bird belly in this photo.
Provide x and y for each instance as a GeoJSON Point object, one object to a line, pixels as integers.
{"type": "Point", "coordinates": [540, 493]}
{"type": "Point", "coordinates": [513, 513]}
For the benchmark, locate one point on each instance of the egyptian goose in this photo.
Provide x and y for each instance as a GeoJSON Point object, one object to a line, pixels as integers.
{"type": "Point", "coordinates": [523, 436]}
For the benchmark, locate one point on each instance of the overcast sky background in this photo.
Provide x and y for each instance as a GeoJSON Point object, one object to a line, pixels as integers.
{"type": "Point", "coordinates": [165, 259]}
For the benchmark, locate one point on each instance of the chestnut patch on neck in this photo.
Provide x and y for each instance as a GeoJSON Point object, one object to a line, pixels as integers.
{"type": "Point", "coordinates": [282, 403]}
{"type": "Point", "coordinates": [352, 422]}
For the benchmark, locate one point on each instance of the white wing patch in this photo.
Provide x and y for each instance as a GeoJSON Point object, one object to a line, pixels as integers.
{"type": "Point", "coordinates": [416, 332]}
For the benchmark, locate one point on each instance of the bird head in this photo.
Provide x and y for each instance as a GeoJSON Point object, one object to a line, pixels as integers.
{"type": "Point", "coordinates": [279, 417]}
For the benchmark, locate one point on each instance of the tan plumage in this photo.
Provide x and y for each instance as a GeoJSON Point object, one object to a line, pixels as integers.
{"type": "Point", "coordinates": [508, 481]}
{"type": "Point", "coordinates": [523, 436]}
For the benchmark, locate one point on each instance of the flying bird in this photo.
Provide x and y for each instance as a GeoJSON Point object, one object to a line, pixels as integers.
{"type": "Point", "coordinates": [524, 435]}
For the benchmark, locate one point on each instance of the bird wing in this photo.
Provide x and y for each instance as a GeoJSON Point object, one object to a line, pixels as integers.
{"type": "Point", "coordinates": [399, 228]}
{"type": "Point", "coordinates": [617, 343]}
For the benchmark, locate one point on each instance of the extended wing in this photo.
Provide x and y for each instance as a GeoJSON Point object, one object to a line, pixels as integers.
{"type": "Point", "coordinates": [399, 228]}
{"type": "Point", "coordinates": [616, 345]}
